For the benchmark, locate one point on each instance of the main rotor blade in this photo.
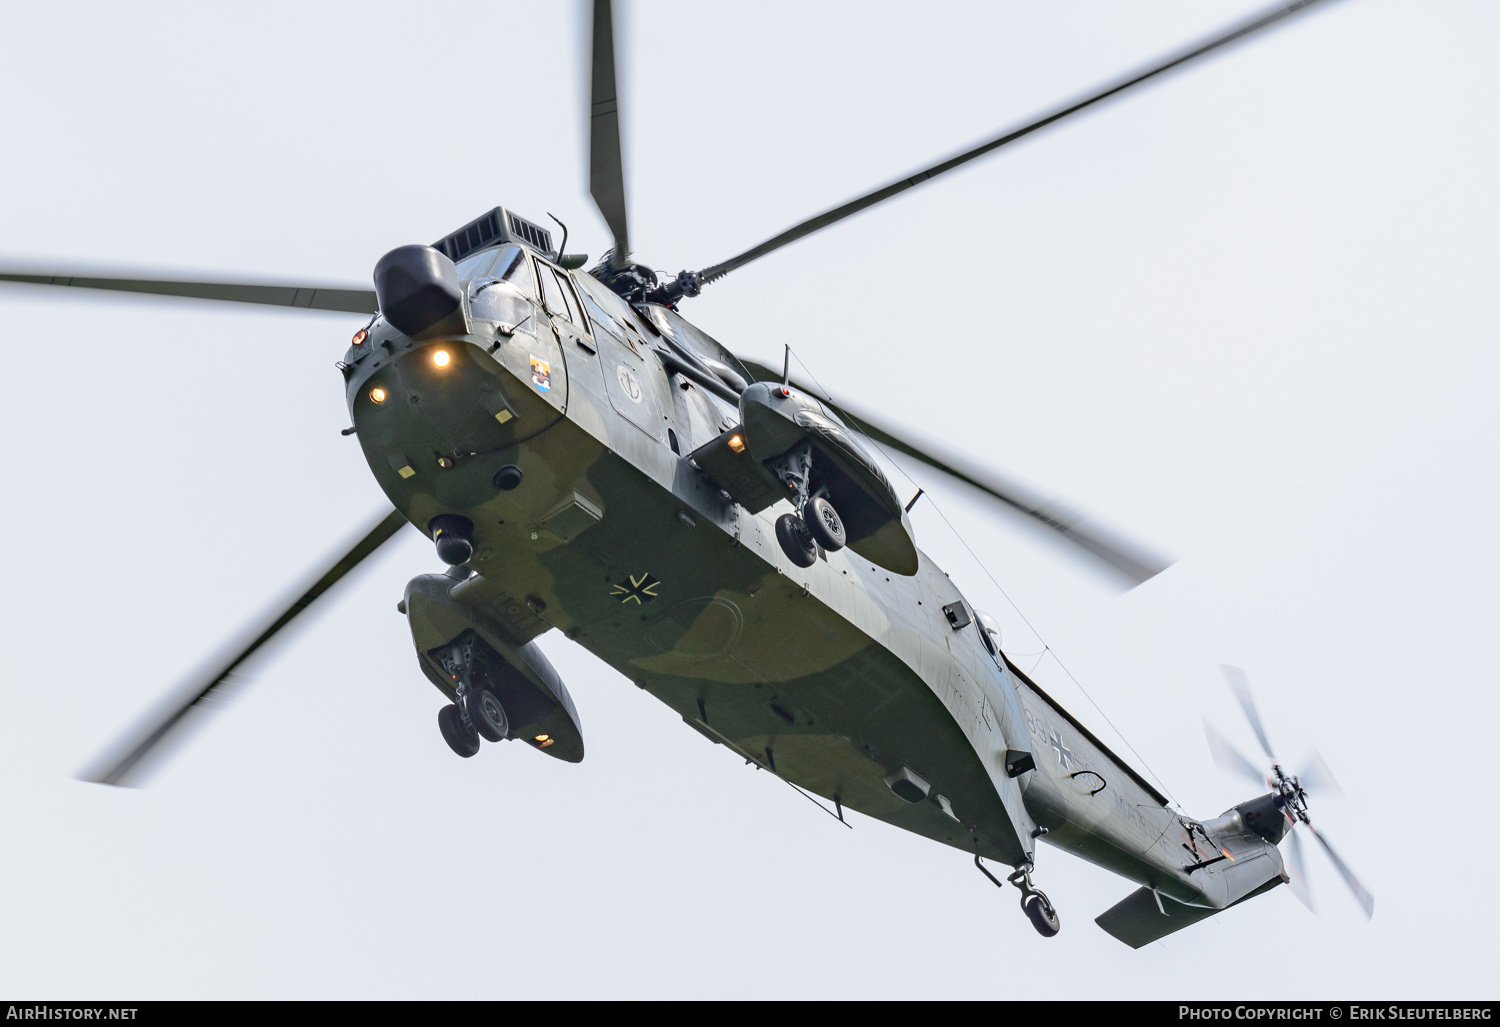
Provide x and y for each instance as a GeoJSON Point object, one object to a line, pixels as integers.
{"type": "Point", "coordinates": [114, 769]}
{"type": "Point", "coordinates": [1296, 869]}
{"type": "Point", "coordinates": [1124, 558]}
{"type": "Point", "coordinates": [1231, 35]}
{"type": "Point", "coordinates": [1240, 685]}
{"type": "Point", "coordinates": [1231, 759]}
{"type": "Point", "coordinates": [1361, 894]}
{"type": "Point", "coordinates": [606, 166]}
{"type": "Point", "coordinates": [306, 297]}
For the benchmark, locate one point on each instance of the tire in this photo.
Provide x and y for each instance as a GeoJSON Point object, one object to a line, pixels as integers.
{"type": "Point", "coordinates": [487, 715]}
{"type": "Point", "coordinates": [825, 524]}
{"type": "Point", "coordinates": [460, 737]}
{"type": "Point", "coordinates": [796, 542]}
{"type": "Point", "coordinates": [1043, 917]}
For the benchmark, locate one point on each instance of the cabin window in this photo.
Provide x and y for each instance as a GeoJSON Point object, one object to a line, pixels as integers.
{"type": "Point", "coordinates": [605, 304]}
{"type": "Point", "coordinates": [989, 642]}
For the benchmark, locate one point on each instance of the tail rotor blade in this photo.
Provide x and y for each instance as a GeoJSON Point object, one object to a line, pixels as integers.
{"type": "Point", "coordinates": [1231, 759]}
{"type": "Point", "coordinates": [117, 767]}
{"type": "Point", "coordinates": [1240, 685]}
{"type": "Point", "coordinates": [1296, 869]}
{"type": "Point", "coordinates": [1361, 893]}
{"type": "Point", "coordinates": [606, 165]}
{"type": "Point", "coordinates": [1316, 777]}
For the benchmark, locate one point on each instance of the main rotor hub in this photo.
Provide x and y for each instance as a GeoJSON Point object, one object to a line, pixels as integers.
{"type": "Point", "coordinates": [637, 283]}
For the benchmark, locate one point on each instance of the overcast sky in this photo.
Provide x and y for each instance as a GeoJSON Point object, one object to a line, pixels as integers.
{"type": "Point", "coordinates": [1245, 316]}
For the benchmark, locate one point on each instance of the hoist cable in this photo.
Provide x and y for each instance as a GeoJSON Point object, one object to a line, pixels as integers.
{"type": "Point", "coordinates": [1047, 649]}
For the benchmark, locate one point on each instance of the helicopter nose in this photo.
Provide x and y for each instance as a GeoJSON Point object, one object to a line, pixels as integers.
{"type": "Point", "coordinates": [417, 289]}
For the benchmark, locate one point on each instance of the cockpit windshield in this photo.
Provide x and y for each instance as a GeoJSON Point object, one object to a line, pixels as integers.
{"type": "Point", "coordinates": [505, 295]}
{"type": "Point", "coordinates": [475, 264]}
{"type": "Point", "coordinates": [513, 267]}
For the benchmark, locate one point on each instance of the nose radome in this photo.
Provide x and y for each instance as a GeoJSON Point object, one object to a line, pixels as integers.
{"type": "Point", "coordinates": [417, 289]}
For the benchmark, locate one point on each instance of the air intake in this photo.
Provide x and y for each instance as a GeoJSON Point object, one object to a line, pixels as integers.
{"type": "Point", "coordinates": [492, 229]}
{"type": "Point", "coordinates": [538, 238]}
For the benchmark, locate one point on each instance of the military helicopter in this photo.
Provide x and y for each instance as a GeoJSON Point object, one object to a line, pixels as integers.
{"type": "Point", "coordinates": [586, 459]}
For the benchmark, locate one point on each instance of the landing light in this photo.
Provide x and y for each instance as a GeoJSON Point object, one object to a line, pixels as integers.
{"type": "Point", "coordinates": [377, 395]}
{"type": "Point", "coordinates": [736, 443]}
{"type": "Point", "coordinates": [359, 337]}
{"type": "Point", "coordinates": [441, 358]}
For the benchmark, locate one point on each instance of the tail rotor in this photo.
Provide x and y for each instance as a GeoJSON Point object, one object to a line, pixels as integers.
{"type": "Point", "coordinates": [1297, 870]}
{"type": "Point", "coordinates": [1291, 791]}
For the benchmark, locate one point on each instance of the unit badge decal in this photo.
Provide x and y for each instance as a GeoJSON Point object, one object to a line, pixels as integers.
{"type": "Point", "coordinates": [541, 374]}
{"type": "Point", "coordinates": [641, 589]}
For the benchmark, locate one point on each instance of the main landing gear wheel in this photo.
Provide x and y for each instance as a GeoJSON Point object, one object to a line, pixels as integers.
{"type": "Point", "coordinates": [1043, 917]}
{"type": "Point", "coordinates": [824, 523]}
{"type": "Point", "coordinates": [796, 541]}
{"type": "Point", "coordinates": [460, 736]}
{"type": "Point", "coordinates": [486, 714]}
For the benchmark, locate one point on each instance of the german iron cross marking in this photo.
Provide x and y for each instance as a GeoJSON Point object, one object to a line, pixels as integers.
{"type": "Point", "coordinates": [642, 589]}
{"type": "Point", "coordinates": [1064, 754]}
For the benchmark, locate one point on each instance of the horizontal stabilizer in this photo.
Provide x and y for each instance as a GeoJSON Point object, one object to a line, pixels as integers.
{"type": "Point", "coordinates": [1137, 921]}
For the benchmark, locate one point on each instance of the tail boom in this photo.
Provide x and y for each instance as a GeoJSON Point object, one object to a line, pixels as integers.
{"type": "Point", "coordinates": [1096, 806]}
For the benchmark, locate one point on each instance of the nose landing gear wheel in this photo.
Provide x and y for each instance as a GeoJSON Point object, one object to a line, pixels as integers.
{"type": "Point", "coordinates": [796, 541]}
{"type": "Point", "coordinates": [486, 714]}
{"type": "Point", "coordinates": [824, 523]}
{"type": "Point", "coordinates": [461, 738]}
{"type": "Point", "coordinates": [1043, 917]}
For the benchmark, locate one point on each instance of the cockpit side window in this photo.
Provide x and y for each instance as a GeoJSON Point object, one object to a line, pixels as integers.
{"type": "Point", "coordinates": [491, 300]}
{"type": "Point", "coordinates": [575, 309]}
{"type": "Point", "coordinates": [558, 296]}
{"type": "Point", "coordinates": [506, 297]}
{"type": "Point", "coordinates": [551, 294]}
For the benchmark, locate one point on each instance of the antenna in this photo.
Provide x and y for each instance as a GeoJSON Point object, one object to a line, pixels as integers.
{"type": "Point", "coordinates": [562, 247]}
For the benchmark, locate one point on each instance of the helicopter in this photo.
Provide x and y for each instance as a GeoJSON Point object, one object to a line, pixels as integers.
{"type": "Point", "coordinates": [586, 459]}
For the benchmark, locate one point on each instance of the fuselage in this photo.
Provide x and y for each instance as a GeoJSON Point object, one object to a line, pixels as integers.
{"type": "Point", "coordinates": [841, 677]}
